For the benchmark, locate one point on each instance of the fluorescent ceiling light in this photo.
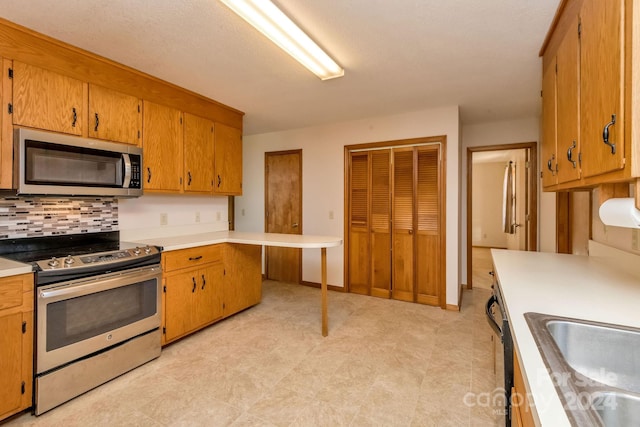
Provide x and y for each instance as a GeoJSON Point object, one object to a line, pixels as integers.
{"type": "Point", "coordinates": [274, 24]}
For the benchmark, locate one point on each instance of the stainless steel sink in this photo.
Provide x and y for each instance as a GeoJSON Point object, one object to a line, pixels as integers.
{"type": "Point", "coordinates": [617, 409]}
{"type": "Point", "coordinates": [595, 368]}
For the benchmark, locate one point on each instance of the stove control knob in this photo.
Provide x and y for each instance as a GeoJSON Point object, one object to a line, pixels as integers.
{"type": "Point", "coordinates": [136, 251]}
{"type": "Point", "coordinates": [147, 250]}
{"type": "Point", "coordinates": [54, 262]}
{"type": "Point", "coordinates": [69, 260]}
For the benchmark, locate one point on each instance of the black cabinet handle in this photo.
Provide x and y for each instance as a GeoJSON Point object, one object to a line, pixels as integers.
{"type": "Point", "coordinates": [97, 122]}
{"type": "Point", "coordinates": [550, 162]}
{"type": "Point", "coordinates": [204, 282]}
{"type": "Point", "coordinates": [148, 174]}
{"type": "Point", "coordinates": [189, 178]}
{"type": "Point", "coordinates": [75, 117]}
{"type": "Point", "coordinates": [570, 154]}
{"type": "Point", "coordinates": [219, 181]}
{"type": "Point", "coordinates": [194, 284]}
{"type": "Point", "coordinates": [605, 134]}
{"type": "Point", "coordinates": [195, 258]}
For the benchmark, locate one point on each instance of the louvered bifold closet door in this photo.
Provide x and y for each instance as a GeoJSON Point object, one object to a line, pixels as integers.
{"type": "Point", "coordinates": [403, 220]}
{"type": "Point", "coordinates": [359, 258]}
{"type": "Point", "coordinates": [428, 234]}
{"type": "Point", "coordinates": [381, 223]}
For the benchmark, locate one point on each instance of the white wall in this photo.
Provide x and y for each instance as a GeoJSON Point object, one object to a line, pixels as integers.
{"type": "Point", "coordinates": [500, 133]}
{"type": "Point", "coordinates": [323, 180]}
{"type": "Point", "coordinates": [140, 218]}
{"type": "Point", "coordinates": [487, 228]}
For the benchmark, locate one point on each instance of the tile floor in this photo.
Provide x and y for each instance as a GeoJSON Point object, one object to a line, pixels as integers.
{"type": "Point", "coordinates": [384, 363]}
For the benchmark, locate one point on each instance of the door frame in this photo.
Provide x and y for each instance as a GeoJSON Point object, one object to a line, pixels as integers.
{"type": "Point", "coordinates": [442, 139]}
{"type": "Point", "coordinates": [532, 196]}
{"type": "Point", "coordinates": [267, 154]}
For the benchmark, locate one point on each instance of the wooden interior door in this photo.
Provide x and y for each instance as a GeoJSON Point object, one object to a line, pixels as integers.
{"type": "Point", "coordinates": [358, 275]}
{"type": "Point", "coordinates": [283, 212]}
{"type": "Point", "coordinates": [403, 225]}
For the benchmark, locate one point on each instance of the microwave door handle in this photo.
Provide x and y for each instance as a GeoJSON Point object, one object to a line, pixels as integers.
{"type": "Point", "coordinates": [126, 163]}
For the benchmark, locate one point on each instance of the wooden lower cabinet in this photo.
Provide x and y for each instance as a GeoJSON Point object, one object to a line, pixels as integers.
{"type": "Point", "coordinates": [243, 277]}
{"type": "Point", "coordinates": [204, 284]}
{"type": "Point", "coordinates": [16, 344]}
{"type": "Point", "coordinates": [521, 408]}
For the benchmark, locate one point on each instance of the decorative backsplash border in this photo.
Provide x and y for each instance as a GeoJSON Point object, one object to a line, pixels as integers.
{"type": "Point", "coordinates": [45, 216]}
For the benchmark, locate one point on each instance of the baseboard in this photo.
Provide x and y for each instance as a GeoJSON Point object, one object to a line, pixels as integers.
{"type": "Point", "coordinates": [453, 307]}
{"type": "Point", "coordinates": [487, 247]}
{"type": "Point", "coordinates": [317, 285]}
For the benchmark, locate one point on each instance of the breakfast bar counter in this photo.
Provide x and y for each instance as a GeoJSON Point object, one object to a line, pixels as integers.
{"type": "Point", "coordinates": [264, 239]}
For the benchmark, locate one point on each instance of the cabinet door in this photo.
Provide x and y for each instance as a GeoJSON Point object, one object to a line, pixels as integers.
{"type": "Point", "coordinates": [568, 81]}
{"type": "Point", "coordinates": [114, 116]}
{"type": "Point", "coordinates": [162, 148]}
{"type": "Point", "coordinates": [601, 86]}
{"type": "Point", "coordinates": [228, 160]}
{"type": "Point", "coordinates": [548, 152]}
{"type": "Point", "coordinates": [179, 303]}
{"type": "Point", "coordinates": [198, 154]}
{"type": "Point", "coordinates": [6, 127]}
{"type": "Point", "coordinates": [11, 354]}
{"type": "Point", "coordinates": [208, 301]}
{"type": "Point", "coordinates": [403, 225]}
{"type": "Point", "coordinates": [243, 278]}
{"type": "Point", "coordinates": [46, 100]}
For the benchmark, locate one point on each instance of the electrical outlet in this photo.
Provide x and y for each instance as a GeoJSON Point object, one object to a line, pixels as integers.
{"type": "Point", "coordinates": [218, 216]}
{"type": "Point", "coordinates": [197, 216]}
{"type": "Point", "coordinates": [242, 211]}
{"type": "Point", "coordinates": [164, 219]}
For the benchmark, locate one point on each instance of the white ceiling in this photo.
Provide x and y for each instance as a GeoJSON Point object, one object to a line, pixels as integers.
{"type": "Point", "coordinates": [399, 56]}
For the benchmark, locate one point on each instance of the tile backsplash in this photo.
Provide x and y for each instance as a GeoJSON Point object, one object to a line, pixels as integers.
{"type": "Point", "coordinates": [45, 216]}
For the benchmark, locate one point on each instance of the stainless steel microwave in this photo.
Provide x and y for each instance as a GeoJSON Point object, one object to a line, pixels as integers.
{"type": "Point", "coordinates": [48, 163]}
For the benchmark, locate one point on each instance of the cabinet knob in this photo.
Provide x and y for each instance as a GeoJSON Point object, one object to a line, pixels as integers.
{"type": "Point", "coordinates": [97, 123]}
{"type": "Point", "coordinates": [194, 284]}
{"type": "Point", "coordinates": [219, 180]}
{"type": "Point", "coordinates": [75, 117]}
{"type": "Point", "coordinates": [204, 282]}
{"type": "Point", "coordinates": [189, 178]}
{"type": "Point", "coordinates": [148, 174]}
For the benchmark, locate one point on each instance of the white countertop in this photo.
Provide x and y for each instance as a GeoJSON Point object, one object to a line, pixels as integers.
{"type": "Point", "coordinates": [264, 239]}
{"type": "Point", "coordinates": [12, 268]}
{"type": "Point", "coordinates": [582, 287]}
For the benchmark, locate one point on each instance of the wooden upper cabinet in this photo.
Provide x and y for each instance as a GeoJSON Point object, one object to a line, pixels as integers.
{"type": "Point", "coordinates": [198, 154]}
{"type": "Point", "coordinates": [228, 160]}
{"type": "Point", "coordinates": [114, 116]}
{"type": "Point", "coordinates": [549, 125]}
{"type": "Point", "coordinates": [162, 148]}
{"type": "Point", "coordinates": [6, 127]}
{"type": "Point", "coordinates": [602, 86]}
{"type": "Point", "coordinates": [46, 100]}
{"type": "Point", "coordinates": [568, 82]}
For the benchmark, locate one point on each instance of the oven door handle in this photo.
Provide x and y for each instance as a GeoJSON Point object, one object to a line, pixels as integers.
{"type": "Point", "coordinates": [492, 321]}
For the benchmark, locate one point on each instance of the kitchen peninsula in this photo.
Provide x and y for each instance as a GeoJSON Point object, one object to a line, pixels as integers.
{"type": "Point", "coordinates": [262, 239]}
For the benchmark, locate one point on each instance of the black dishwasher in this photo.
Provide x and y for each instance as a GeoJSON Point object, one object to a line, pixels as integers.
{"type": "Point", "coordinates": [502, 329]}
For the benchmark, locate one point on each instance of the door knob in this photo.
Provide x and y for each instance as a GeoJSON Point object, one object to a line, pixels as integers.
{"type": "Point", "coordinates": [294, 225]}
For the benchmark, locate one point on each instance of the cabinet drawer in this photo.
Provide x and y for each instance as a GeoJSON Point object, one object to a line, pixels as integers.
{"type": "Point", "coordinates": [191, 257]}
{"type": "Point", "coordinates": [12, 289]}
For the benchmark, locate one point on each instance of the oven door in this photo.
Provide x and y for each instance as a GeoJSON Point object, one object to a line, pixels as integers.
{"type": "Point", "coordinates": [78, 318]}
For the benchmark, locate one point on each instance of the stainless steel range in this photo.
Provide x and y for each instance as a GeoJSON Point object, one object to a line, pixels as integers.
{"type": "Point", "coordinates": [97, 310]}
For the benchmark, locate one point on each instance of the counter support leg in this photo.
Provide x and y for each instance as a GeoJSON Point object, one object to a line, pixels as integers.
{"type": "Point", "coordinates": [323, 266]}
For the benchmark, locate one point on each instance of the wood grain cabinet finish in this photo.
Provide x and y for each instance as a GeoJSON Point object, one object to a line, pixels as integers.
{"type": "Point", "coordinates": [243, 277]}
{"type": "Point", "coordinates": [521, 407]}
{"type": "Point", "coordinates": [228, 160]}
{"type": "Point", "coordinates": [198, 154]}
{"type": "Point", "coordinates": [46, 100]}
{"type": "Point", "coordinates": [114, 116]}
{"type": "Point", "coordinates": [590, 98]}
{"type": "Point", "coordinates": [204, 284]}
{"type": "Point", "coordinates": [162, 148]}
{"type": "Point", "coordinates": [16, 344]}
